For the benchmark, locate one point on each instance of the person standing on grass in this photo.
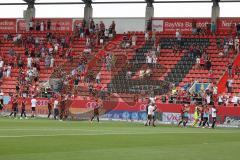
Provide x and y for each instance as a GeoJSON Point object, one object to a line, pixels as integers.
{"type": "Point", "coordinates": [1, 101]}
{"type": "Point", "coordinates": [196, 116]}
{"type": "Point", "coordinates": [55, 109]}
{"type": "Point", "coordinates": [62, 107]}
{"type": "Point", "coordinates": [96, 111]}
{"type": "Point", "coordinates": [214, 116]}
{"type": "Point", "coordinates": [151, 110]}
{"type": "Point", "coordinates": [23, 109]}
{"type": "Point", "coordinates": [1, 107]}
{"type": "Point", "coordinates": [186, 115]}
{"type": "Point", "coordinates": [33, 105]}
{"type": "Point", "coordinates": [148, 120]}
{"type": "Point", "coordinates": [49, 107]}
{"type": "Point", "coordinates": [182, 113]}
{"type": "Point", "coordinates": [14, 107]}
{"type": "Point", "coordinates": [201, 112]}
{"type": "Point", "coordinates": [205, 117]}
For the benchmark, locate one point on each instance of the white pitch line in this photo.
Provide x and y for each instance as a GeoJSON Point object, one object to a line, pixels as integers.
{"type": "Point", "coordinates": [50, 129]}
{"type": "Point", "coordinates": [123, 133]}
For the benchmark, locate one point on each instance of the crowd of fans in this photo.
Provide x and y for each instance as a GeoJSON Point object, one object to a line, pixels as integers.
{"type": "Point", "coordinates": [45, 48]}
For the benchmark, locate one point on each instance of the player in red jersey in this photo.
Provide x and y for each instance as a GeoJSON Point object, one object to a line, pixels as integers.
{"type": "Point", "coordinates": [182, 115]}
{"type": "Point", "coordinates": [14, 106]}
{"type": "Point", "coordinates": [96, 111]}
{"type": "Point", "coordinates": [23, 109]}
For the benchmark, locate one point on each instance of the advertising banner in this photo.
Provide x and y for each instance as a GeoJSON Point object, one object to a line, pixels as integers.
{"type": "Point", "coordinates": [57, 24]}
{"type": "Point", "coordinates": [227, 24]}
{"type": "Point", "coordinates": [8, 25]}
{"type": "Point", "coordinates": [185, 25]}
{"type": "Point", "coordinates": [174, 117]}
{"type": "Point", "coordinates": [157, 25]}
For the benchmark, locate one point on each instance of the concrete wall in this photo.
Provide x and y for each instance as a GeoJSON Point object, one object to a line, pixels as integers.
{"type": "Point", "coordinates": [124, 24]}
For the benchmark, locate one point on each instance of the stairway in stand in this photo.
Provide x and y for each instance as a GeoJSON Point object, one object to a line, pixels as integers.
{"type": "Point", "coordinates": [222, 83]}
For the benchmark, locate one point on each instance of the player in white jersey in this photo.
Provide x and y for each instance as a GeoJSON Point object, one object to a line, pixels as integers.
{"type": "Point", "coordinates": [214, 116]}
{"type": "Point", "coordinates": [151, 110]}
{"type": "Point", "coordinates": [33, 105]}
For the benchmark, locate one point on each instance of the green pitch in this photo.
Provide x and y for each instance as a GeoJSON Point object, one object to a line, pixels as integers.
{"type": "Point", "coordinates": [54, 140]}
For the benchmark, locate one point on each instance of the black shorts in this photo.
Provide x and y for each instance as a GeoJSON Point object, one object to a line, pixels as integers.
{"type": "Point", "coordinates": [33, 108]}
{"type": "Point", "coordinates": [150, 117]}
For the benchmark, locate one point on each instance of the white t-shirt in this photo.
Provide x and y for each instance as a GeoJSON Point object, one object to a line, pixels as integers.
{"type": "Point", "coordinates": [208, 99]}
{"type": "Point", "coordinates": [1, 64]}
{"type": "Point", "coordinates": [236, 41]}
{"type": "Point", "coordinates": [198, 60]}
{"type": "Point", "coordinates": [152, 99]}
{"type": "Point", "coordinates": [98, 76]}
{"type": "Point", "coordinates": [220, 99]}
{"type": "Point", "coordinates": [55, 104]}
{"type": "Point", "coordinates": [149, 59]}
{"type": "Point", "coordinates": [235, 100]}
{"type": "Point", "coordinates": [1, 95]}
{"type": "Point", "coordinates": [151, 109]}
{"type": "Point", "coordinates": [214, 112]}
{"type": "Point", "coordinates": [34, 102]}
{"type": "Point", "coordinates": [29, 61]}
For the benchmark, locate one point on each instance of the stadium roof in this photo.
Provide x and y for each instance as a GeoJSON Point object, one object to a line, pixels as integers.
{"type": "Point", "coordinates": [113, 8]}
{"type": "Point", "coordinates": [77, 2]}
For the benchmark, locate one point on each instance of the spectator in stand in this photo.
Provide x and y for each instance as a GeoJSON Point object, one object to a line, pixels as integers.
{"type": "Point", "coordinates": [226, 49]}
{"type": "Point", "coordinates": [235, 100]}
{"type": "Point", "coordinates": [30, 25]}
{"type": "Point", "coordinates": [52, 62]}
{"type": "Point", "coordinates": [178, 36]}
{"type": "Point", "coordinates": [29, 62]}
{"type": "Point", "coordinates": [238, 29]}
{"type": "Point", "coordinates": [219, 43]}
{"type": "Point", "coordinates": [230, 69]}
{"type": "Point", "coordinates": [220, 53]}
{"type": "Point", "coordinates": [38, 26]}
{"type": "Point", "coordinates": [9, 69]}
{"type": "Point", "coordinates": [91, 26]}
{"type": "Point", "coordinates": [1, 73]}
{"type": "Point", "coordinates": [11, 52]}
{"type": "Point", "coordinates": [17, 40]}
{"type": "Point", "coordinates": [220, 100]}
{"type": "Point", "coordinates": [1, 63]}
{"type": "Point", "coordinates": [208, 64]}
{"type": "Point", "coordinates": [198, 62]}
{"type": "Point", "coordinates": [211, 76]}
{"type": "Point", "coordinates": [49, 25]}
{"type": "Point", "coordinates": [129, 75]}
{"type": "Point", "coordinates": [106, 34]}
{"type": "Point", "coordinates": [112, 29]}
{"type": "Point", "coordinates": [236, 45]}
{"type": "Point", "coordinates": [20, 63]}
{"type": "Point", "coordinates": [42, 26]}
{"type": "Point", "coordinates": [194, 27]}
{"type": "Point", "coordinates": [230, 43]}
{"type": "Point", "coordinates": [102, 27]}
{"type": "Point", "coordinates": [134, 40]}
{"type": "Point", "coordinates": [109, 62]}
{"type": "Point", "coordinates": [229, 85]}
{"type": "Point", "coordinates": [56, 47]}
{"type": "Point", "coordinates": [47, 61]}
{"type": "Point", "coordinates": [213, 28]}
{"type": "Point", "coordinates": [98, 78]}
{"type": "Point", "coordinates": [146, 36]}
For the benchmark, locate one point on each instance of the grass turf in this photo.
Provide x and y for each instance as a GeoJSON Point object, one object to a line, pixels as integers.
{"type": "Point", "coordinates": [41, 139]}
